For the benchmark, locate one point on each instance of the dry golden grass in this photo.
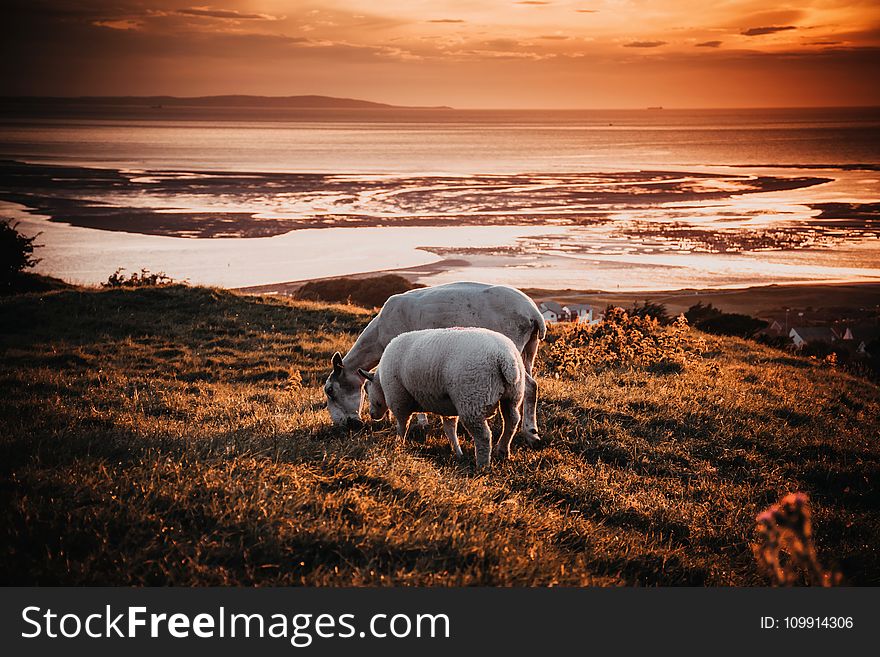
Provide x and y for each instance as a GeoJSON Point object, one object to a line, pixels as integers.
{"type": "Point", "coordinates": [178, 436]}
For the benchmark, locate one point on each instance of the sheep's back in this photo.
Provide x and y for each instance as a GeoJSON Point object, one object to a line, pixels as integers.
{"type": "Point", "coordinates": [438, 366]}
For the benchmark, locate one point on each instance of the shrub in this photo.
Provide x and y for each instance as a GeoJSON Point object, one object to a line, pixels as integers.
{"type": "Point", "coordinates": [699, 312]}
{"type": "Point", "coordinates": [621, 340]}
{"type": "Point", "coordinates": [710, 319]}
{"type": "Point", "coordinates": [16, 252]}
{"type": "Point", "coordinates": [144, 278]}
{"type": "Point", "coordinates": [649, 309]}
{"type": "Point", "coordinates": [781, 342]}
{"type": "Point", "coordinates": [735, 324]}
{"type": "Point", "coordinates": [366, 292]}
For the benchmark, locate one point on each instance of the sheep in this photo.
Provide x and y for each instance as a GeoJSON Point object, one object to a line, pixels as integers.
{"type": "Point", "coordinates": [497, 307]}
{"type": "Point", "coordinates": [458, 373]}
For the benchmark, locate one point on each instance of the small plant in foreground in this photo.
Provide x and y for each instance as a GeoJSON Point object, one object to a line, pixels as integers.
{"type": "Point", "coordinates": [144, 278]}
{"type": "Point", "coordinates": [786, 549]}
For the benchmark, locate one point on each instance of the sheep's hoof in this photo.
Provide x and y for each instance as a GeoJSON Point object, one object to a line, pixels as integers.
{"type": "Point", "coordinates": [531, 437]}
{"type": "Point", "coordinates": [501, 456]}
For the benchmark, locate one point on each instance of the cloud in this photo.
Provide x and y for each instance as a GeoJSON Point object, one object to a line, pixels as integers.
{"type": "Point", "coordinates": [446, 20]}
{"type": "Point", "coordinates": [122, 24]}
{"type": "Point", "coordinates": [554, 37]}
{"type": "Point", "coordinates": [587, 11]}
{"type": "Point", "coordinates": [825, 43]}
{"type": "Point", "coordinates": [531, 2]}
{"type": "Point", "coordinates": [709, 44]}
{"type": "Point", "coordinates": [644, 44]}
{"type": "Point", "coordinates": [758, 31]}
{"type": "Point", "coordinates": [501, 44]}
{"type": "Point", "coordinates": [226, 14]}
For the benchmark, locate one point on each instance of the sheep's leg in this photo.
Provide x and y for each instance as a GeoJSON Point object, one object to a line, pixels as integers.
{"type": "Point", "coordinates": [450, 426]}
{"type": "Point", "coordinates": [402, 416]}
{"type": "Point", "coordinates": [418, 428]}
{"type": "Point", "coordinates": [402, 407]}
{"type": "Point", "coordinates": [529, 429]}
{"type": "Point", "coordinates": [530, 400]}
{"type": "Point", "coordinates": [510, 413]}
{"type": "Point", "coordinates": [530, 351]}
{"type": "Point", "coordinates": [479, 429]}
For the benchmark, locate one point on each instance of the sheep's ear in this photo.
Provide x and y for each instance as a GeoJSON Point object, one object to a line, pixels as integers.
{"type": "Point", "coordinates": [366, 375]}
{"type": "Point", "coordinates": [336, 361]}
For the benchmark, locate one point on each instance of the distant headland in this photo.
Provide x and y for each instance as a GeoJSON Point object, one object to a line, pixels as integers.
{"type": "Point", "coordinates": [228, 101]}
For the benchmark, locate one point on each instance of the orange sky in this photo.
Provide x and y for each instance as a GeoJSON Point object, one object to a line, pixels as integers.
{"type": "Point", "coordinates": [464, 53]}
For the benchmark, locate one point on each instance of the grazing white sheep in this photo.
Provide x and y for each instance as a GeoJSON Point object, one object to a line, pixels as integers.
{"type": "Point", "coordinates": [459, 373]}
{"type": "Point", "coordinates": [496, 307]}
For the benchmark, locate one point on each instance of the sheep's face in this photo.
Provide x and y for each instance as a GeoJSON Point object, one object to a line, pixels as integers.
{"type": "Point", "coordinates": [345, 395]}
{"type": "Point", "coordinates": [378, 405]}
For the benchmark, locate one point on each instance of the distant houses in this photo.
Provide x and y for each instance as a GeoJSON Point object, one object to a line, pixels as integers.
{"type": "Point", "coordinates": [804, 335]}
{"type": "Point", "coordinates": [551, 311]}
{"type": "Point", "coordinates": [856, 340]}
{"type": "Point", "coordinates": [573, 312]}
{"type": "Point", "coordinates": [857, 337]}
{"type": "Point", "coordinates": [862, 337]}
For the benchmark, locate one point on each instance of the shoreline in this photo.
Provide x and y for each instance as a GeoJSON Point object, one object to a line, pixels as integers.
{"type": "Point", "coordinates": [755, 300]}
{"type": "Point", "coordinates": [650, 232]}
{"type": "Point", "coordinates": [202, 204]}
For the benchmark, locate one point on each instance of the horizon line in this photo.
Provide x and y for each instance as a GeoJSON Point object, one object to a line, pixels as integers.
{"type": "Point", "coordinates": [383, 105]}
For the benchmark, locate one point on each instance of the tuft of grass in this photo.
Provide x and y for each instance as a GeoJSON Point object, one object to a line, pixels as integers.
{"type": "Point", "coordinates": [177, 435]}
{"type": "Point", "coordinates": [144, 278]}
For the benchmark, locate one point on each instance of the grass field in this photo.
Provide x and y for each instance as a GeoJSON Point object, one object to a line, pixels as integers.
{"type": "Point", "coordinates": [178, 436]}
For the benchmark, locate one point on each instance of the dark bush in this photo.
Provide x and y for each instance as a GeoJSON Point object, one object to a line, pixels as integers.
{"type": "Point", "coordinates": [16, 253]}
{"type": "Point", "coordinates": [710, 319]}
{"type": "Point", "coordinates": [653, 310]}
{"type": "Point", "coordinates": [734, 324]}
{"type": "Point", "coordinates": [367, 292]}
{"type": "Point", "coordinates": [782, 342]}
{"type": "Point", "coordinates": [699, 312]}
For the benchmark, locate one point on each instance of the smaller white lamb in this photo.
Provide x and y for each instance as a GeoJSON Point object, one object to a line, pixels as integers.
{"type": "Point", "coordinates": [464, 373]}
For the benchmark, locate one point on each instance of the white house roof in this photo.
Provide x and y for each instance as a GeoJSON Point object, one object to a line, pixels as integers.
{"type": "Point", "coordinates": [813, 333]}
{"type": "Point", "coordinates": [551, 306]}
{"type": "Point", "coordinates": [865, 334]}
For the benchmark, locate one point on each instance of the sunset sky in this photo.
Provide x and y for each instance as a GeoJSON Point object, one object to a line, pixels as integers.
{"type": "Point", "coordinates": [464, 53]}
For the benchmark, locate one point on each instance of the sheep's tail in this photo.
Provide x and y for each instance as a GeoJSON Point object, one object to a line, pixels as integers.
{"type": "Point", "coordinates": [509, 370]}
{"type": "Point", "coordinates": [539, 328]}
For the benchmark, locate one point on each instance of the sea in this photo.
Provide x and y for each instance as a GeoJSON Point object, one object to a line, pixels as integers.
{"type": "Point", "coordinates": [635, 200]}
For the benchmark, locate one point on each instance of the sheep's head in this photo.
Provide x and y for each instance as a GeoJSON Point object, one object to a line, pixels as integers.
{"type": "Point", "coordinates": [378, 405]}
{"type": "Point", "coordinates": [345, 395]}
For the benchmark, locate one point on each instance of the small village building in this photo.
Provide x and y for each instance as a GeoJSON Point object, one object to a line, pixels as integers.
{"type": "Point", "coordinates": [861, 337]}
{"type": "Point", "coordinates": [552, 311]}
{"type": "Point", "coordinates": [581, 313]}
{"type": "Point", "coordinates": [804, 335]}
{"type": "Point", "coordinates": [774, 328]}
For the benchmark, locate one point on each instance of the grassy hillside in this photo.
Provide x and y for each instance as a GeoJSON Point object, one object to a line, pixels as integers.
{"type": "Point", "coordinates": [178, 436]}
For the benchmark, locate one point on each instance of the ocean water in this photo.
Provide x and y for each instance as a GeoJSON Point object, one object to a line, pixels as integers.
{"type": "Point", "coordinates": [464, 142]}
{"type": "Point", "coordinates": [628, 200]}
